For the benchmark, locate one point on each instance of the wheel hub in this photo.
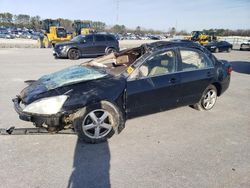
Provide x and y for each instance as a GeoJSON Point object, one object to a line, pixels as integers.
{"type": "Point", "coordinates": [97, 124]}
{"type": "Point", "coordinates": [209, 99]}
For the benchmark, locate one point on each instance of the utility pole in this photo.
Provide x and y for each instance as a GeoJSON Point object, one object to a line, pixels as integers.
{"type": "Point", "coordinates": [117, 11]}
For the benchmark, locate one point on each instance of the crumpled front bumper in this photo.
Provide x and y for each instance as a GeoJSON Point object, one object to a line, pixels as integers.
{"type": "Point", "coordinates": [38, 119]}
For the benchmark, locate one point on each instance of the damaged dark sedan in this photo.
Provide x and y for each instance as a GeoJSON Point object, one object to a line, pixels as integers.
{"type": "Point", "coordinates": [95, 98]}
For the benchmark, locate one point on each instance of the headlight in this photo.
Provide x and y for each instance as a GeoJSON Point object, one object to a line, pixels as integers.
{"type": "Point", "coordinates": [213, 46]}
{"type": "Point", "coordinates": [61, 47]}
{"type": "Point", "coordinates": [50, 105]}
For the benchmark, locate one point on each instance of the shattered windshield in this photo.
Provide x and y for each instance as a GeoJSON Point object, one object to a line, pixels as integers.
{"type": "Point", "coordinates": [73, 74]}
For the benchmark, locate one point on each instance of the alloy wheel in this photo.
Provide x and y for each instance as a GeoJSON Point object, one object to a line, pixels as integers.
{"type": "Point", "coordinates": [209, 99]}
{"type": "Point", "coordinates": [97, 124]}
{"type": "Point", "coordinates": [74, 54]}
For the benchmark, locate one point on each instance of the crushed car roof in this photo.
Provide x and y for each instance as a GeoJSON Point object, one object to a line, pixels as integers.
{"type": "Point", "coordinates": [174, 43]}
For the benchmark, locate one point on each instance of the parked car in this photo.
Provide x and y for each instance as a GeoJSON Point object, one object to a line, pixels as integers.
{"type": "Point", "coordinates": [245, 45]}
{"type": "Point", "coordinates": [36, 35]}
{"type": "Point", "coordinates": [15, 33]}
{"type": "Point", "coordinates": [87, 45]}
{"type": "Point", "coordinates": [5, 34]}
{"type": "Point", "coordinates": [152, 37]}
{"type": "Point", "coordinates": [96, 97]}
{"type": "Point", "coordinates": [219, 46]}
{"type": "Point", "coordinates": [26, 35]}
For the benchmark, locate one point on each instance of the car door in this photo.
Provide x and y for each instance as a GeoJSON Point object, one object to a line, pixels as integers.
{"type": "Point", "coordinates": [87, 45]}
{"type": "Point", "coordinates": [222, 46]}
{"type": "Point", "coordinates": [100, 44]}
{"type": "Point", "coordinates": [112, 42]}
{"type": "Point", "coordinates": [196, 73]}
{"type": "Point", "coordinates": [154, 85]}
{"type": "Point", "coordinates": [226, 45]}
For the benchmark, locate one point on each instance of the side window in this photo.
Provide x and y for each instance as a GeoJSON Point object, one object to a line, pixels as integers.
{"type": "Point", "coordinates": [192, 60]}
{"type": "Point", "coordinates": [89, 38]}
{"type": "Point", "coordinates": [99, 38]}
{"type": "Point", "coordinates": [109, 38]}
{"type": "Point", "coordinates": [158, 64]}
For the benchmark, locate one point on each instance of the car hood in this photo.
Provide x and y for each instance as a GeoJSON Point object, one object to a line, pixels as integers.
{"type": "Point", "coordinates": [61, 79]}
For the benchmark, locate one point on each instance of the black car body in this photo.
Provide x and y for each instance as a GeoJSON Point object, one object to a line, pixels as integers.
{"type": "Point", "coordinates": [219, 46]}
{"type": "Point", "coordinates": [133, 82]}
{"type": "Point", "coordinates": [87, 45]}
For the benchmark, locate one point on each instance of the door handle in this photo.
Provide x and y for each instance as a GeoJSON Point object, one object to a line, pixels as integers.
{"type": "Point", "coordinates": [172, 80]}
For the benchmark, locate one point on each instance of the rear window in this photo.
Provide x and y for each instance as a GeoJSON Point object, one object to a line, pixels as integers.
{"type": "Point", "coordinates": [99, 38]}
{"type": "Point", "coordinates": [192, 60]}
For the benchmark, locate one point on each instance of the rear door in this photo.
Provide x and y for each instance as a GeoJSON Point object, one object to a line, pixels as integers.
{"type": "Point", "coordinates": [196, 72]}
{"type": "Point", "coordinates": [222, 46]}
{"type": "Point", "coordinates": [112, 42]}
{"type": "Point", "coordinates": [154, 85]}
{"type": "Point", "coordinates": [100, 44]}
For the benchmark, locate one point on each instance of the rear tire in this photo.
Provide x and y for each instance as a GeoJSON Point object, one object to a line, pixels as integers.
{"type": "Point", "coordinates": [207, 100]}
{"type": "Point", "coordinates": [46, 42]}
{"type": "Point", "coordinates": [229, 50]}
{"type": "Point", "coordinates": [110, 50]}
{"type": "Point", "coordinates": [74, 54]}
{"type": "Point", "coordinates": [98, 122]}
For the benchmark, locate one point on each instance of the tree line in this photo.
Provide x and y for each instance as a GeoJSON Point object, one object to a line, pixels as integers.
{"type": "Point", "coordinates": [33, 22]}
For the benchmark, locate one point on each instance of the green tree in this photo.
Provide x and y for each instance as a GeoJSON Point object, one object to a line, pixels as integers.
{"type": "Point", "coordinates": [66, 23]}
{"type": "Point", "coordinates": [35, 22]}
{"type": "Point", "coordinates": [6, 18]}
{"type": "Point", "coordinates": [138, 30]}
{"type": "Point", "coordinates": [118, 29]}
{"type": "Point", "coordinates": [22, 20]}
{"type": "Point", "coordinates": [98, 26]}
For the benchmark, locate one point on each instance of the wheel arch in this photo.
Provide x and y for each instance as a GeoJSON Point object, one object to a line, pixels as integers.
{"type": "Point", "coordinates": [72, 47]}
{"type": "Point", "coordinates": [218, 88]}
{"type": "Point", "coordinates": [109, 47]}
{"type": "Point", "coordinates": [99, 104]}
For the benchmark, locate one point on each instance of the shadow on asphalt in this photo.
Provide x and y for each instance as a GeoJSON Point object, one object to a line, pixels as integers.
{"type": "Point", "coordinates": [241, 66]}
{"type": "Point", "coordinates": [90, 166]}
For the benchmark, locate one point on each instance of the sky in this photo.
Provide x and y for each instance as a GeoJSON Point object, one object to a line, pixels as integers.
{"type": "Point", "coordinates": [186, 15]}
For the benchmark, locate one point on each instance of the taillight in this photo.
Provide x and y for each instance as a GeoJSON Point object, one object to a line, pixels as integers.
{"type": "Point", "coordinates": [229, 70]}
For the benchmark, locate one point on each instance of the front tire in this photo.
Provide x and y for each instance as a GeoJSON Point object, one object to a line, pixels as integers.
{"type": "Point", "coordinates": [96, 123]}
{"type": "Point", "coordinates": [208, 99]}
{"type": "Point", "coordinates": [216, 50]}
{"type": "Point", "coordinates": [74, 54]}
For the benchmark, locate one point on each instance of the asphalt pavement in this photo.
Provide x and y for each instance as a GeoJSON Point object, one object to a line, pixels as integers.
{"type": "Point", "coordinates": [176, 148]}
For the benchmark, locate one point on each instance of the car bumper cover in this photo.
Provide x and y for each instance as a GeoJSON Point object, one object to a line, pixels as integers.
{"type": "Point", "coordinates": [53, 119]}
